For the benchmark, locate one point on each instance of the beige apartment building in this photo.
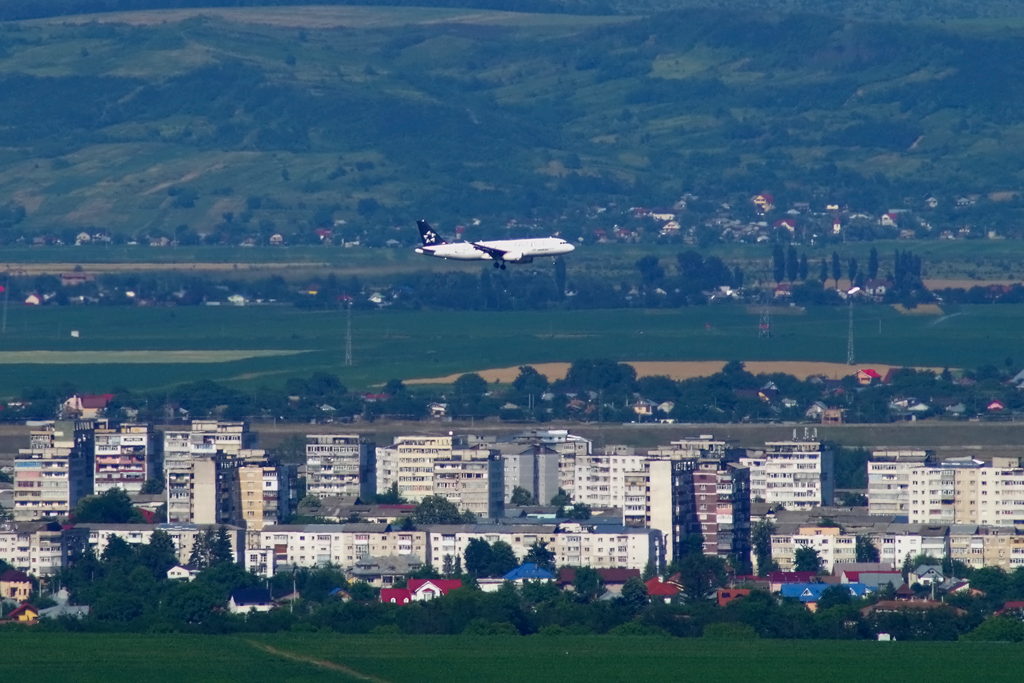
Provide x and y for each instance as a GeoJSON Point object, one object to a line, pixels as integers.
{"type": "Point", "coordinates": [340, 465]}
{"type": "Point", "coordinates": [472, 479]}
{"type": "Point", "coordinates": [889, 474]}
{"type": "Point", "coordinates": [968, 491]}
{"type": "Point", "coordinates": [54, 472]}
{"type": "Point", "coordinates": [339, 545]}
{"type": "Point", "coordinates": [125, 457]}
{"type": "Point", "coordinates": [35, 548]}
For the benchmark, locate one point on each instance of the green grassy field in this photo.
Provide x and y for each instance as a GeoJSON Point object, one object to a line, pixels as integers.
{"type": "Point", "coordinates": [114, 658]}
{"type": "Point", "coordinates": [418, 344]}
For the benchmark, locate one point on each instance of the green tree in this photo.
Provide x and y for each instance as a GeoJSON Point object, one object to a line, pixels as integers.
{"type": "Point", "coordinates": [521, 496]}
{"type": "Point", "coordinates": [761, 540]}
{"type": "Point", "coordinates": [469, 388]}
{"type": "Point", "coordinates": [634, 593]}
{"type": "Point", "coordinates": [391, 496]}
{"type": "Point", "coordinates": [792, 264]}
{"type": "Point", "coordinates": [837, 268]}
{"type": "Point", "coordinates": [503, 559]}
{"type": "Point", "coordinates": [873, 264]}
{"type": "Point", "coordinates": [804, 271]}
{"type": "Point", "coordinates": [479, 556]}
{"type": "Point", "coordinates": [561, 499]}
{"type": "Point", "coordinates": [587, 584]}
{"type": "Point", "coordinates": [539, 555]}
{"type": "Point", "coordinates": [806, 559]}
{"type": "Point", "coordinates": [779, 262]}
{"type": "Point", "coordinates": [866, 550]}
{"type": "Point", "coordinates": [833, 596]}
{"type": "Point", "coordinates": [113, 506]}
{"type": "Point", "coordinates": [823, 272]}
{"type": "Point", "coordinates": [153, 485]}
{"type": "Point", "coordinates": [437, 510]}
{"type": "Point", "coordinates": [579, 511]}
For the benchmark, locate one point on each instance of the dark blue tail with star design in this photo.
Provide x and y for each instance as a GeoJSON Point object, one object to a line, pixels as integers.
{"type": "Point", "coordinates": [429, 235]}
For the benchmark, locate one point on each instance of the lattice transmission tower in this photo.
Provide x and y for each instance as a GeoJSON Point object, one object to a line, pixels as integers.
{"type": "Point", "coordinates": [849, 336]}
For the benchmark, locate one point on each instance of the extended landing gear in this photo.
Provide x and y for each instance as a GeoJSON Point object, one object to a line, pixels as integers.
{"type": "Point", "coordinates": [499, 264]}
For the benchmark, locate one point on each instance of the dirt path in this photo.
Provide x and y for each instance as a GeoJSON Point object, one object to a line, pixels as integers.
{"type": "Point", "coordinates": [322, 663]}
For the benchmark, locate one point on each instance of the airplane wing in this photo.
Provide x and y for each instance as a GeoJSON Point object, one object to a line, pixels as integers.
{"type": "Point", "coordinates": [490, 251]}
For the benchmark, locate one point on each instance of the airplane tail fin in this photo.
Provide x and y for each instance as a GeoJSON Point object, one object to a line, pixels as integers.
{"type": "Point", "coordinates": [428, 234]}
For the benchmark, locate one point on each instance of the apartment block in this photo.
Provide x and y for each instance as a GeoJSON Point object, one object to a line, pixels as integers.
{"type": "Point", "coordinates": [451, 540]}
{"type": "Point", "coordinates": [797, 474]}
{"type": "Point", "coordinates": [713, 501]}
{"type": "Point", "coordinates": [600, 547]}
{"type": "Point", "coordinates": [95, 536]}
{"type": "Point", "coordinates": [409, 462]}
{"type": "Point", "coordinates": [197, 467]}
{"type": "Point", "coordinates": [535, 469]}
{"type": "Point", "coordinates": [340, 465]}
{"type": "Point", "coordinates": [35, 548]}
{"type": "Point", "coordinates": [899, 541]}
{"type": "Point", "coordinates": [968, 491]}
{"type": "Point", "coordinates": [889, 474]}
{"type": "Point", "coordinates": [55, 472]}
{"type": "Point", "coordinates": [473, 479]}
{"type": "Point", "coordinates": [125, 457]}
{"type": "Point", "coordinates": [649, 500]}
{"type": "Point", "coordinates": [340, 545]}
{"type": "Point", "coordinates": [599, 479]}
{"type": "Point", "coordinates": [265, 492]}
{"type": "Point", "coordinates": [833, 546]}
{"type": "Point", "coordinates": [691, 448]}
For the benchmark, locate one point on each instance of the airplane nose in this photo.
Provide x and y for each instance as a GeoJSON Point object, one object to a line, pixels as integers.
{"type": "Point", "coordinates": [571, 247]}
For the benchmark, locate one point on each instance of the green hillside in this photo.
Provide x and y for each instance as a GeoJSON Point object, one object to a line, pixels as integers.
{"type": "Point", "coordinates": [259, 120]}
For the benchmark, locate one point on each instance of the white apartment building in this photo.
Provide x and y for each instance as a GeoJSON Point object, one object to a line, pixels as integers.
{"type": "Point", "coordinates": [125, 457]}
{"type": "Point", "coordinates": [600, 479]}
{"type": "Point", "coordinates": [797, 475]}
{"type": "Point", "coordinates": [35, 548]}
{"type": "Point", "coordinates": [472, 479]}
{"type": "Point", "coordinates": [55, 472]}
{"type": "Point", "coordinates": [889, 474]}
{"type": "Point", "coordinates": [968, 491]}
{"type": "Point", "coordinates": [451, 540]}
{"type": "Point", "coordinates": [96, 536]}
{"type": "Point", "coordinates": [832, 544]}
{"type": "Point", "coordinates": [649, 501]}
{"type": "Point", "coordinates": [409, 462]}
{"type": "Point", "coordinates": [340, 465]}
{"type": "Point", "coordinates": [534, 469]}
{"type": "Point", "coordinates": [340, 545]}
{"type": "Point", "coordinates": [604, 547]}
{"type": "Point", "coordinates": [900, 541]}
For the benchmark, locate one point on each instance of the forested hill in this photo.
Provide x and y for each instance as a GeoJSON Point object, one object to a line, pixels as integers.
{"type": "Point", "coordinates": [884, 10]}
{"type": "Point", "coordinates": [289, 116]}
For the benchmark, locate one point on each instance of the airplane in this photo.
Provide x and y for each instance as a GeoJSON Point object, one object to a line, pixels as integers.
{"type": "Point", "coordinates": [499, 251]}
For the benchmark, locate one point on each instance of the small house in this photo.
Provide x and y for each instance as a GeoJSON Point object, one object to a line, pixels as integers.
{"type": "Point", "coordinates": [245, 600]}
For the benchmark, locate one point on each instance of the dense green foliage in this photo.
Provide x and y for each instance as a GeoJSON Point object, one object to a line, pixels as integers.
{"type": "Point", "coordinates": [221, 126]}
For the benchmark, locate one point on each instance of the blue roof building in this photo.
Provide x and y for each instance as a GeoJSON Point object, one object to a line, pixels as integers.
{"type": "Point", "coordinates": [811, 592]}
{"type": "Point", "coordinates": [529, 572]}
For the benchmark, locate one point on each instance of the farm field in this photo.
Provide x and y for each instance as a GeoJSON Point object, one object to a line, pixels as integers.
{"type": "Point", "coordinates": [446, 659]}
{"type": "Point", "coordinates": [425, 344]}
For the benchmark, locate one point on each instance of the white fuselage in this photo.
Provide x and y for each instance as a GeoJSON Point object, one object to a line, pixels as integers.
{"type": "Point", "coordinates": [515, 250]}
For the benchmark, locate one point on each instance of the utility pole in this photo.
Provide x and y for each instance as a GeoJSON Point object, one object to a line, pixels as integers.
{"type": "Point", "coordinates": [348, 334]}
{"type": "Point", "coordinates": [849, 337]}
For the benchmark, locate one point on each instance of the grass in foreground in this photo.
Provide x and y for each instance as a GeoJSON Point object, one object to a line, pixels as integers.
{"type": "Point", "coordinates": [438, 659]}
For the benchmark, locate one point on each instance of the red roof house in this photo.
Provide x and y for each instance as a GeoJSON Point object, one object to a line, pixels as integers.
{"type": "Point", "coordinates": [658, 588]}
{"type": "Point", "coordinates": [428, 589]}
{"type": "Point", "coordinates": [727, 595]}
{"type": "Point", "coordinates": [396, 596]}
